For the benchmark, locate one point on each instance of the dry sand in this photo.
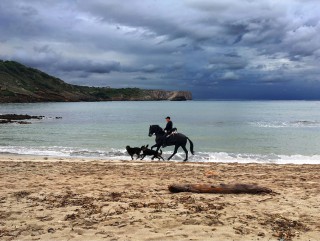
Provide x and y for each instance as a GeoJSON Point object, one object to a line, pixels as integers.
{"type": "Point", "coordinates": [74, 199]}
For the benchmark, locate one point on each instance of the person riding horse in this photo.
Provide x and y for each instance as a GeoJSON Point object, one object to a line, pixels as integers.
{"type": "Point", "coordinates": [169, 126]}
{"type": "Point", "coordinates": [168, 130]}
{"type": "Point", "coordinates": [178, 140]}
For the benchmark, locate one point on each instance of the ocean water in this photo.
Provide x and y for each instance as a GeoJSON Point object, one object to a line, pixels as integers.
{"type": "Point", "coordinates": [222, 131]}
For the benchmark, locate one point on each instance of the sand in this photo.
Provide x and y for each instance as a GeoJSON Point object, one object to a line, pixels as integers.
{"type": "Point", "coordinates": [45, 198]}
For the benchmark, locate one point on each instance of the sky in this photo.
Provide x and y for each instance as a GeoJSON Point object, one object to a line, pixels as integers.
{"type": "Point", "coordinates": [230, 49]}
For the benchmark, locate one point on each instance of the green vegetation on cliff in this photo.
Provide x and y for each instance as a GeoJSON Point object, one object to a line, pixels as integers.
{"type": "Point", "coordinates": [19, 83]}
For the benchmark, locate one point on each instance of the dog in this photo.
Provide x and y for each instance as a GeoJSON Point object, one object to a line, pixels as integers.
{"type": "Point", "coordinates": [149, 152]}
{"type": "Point", "coordinates": [133, 151]}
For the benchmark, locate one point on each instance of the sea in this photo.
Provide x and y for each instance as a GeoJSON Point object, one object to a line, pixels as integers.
{"type": "Point", "coordinates": [278, 132]}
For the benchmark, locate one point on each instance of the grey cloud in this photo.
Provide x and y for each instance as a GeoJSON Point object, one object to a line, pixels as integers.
{"type": "Point", "coordinates": [141, 78]}
{"type": "Point", "coordinates": [192, 44]}
{"type": "Point", "coordinates": [150, 68]}
{"type": "Point", "coordinates": [230, 76]}
{"type": "Point", "coordinates": [232, 62]}
{"type": "Point", "coordinates": [89, 66]}
{"type": "Point", "coordinates": [303, 41]}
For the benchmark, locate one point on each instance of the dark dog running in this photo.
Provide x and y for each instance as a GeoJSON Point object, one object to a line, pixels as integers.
{"type": "Point", "coordinates": [133, 151]}
{"type": "Point", "coordinates": [149, 152]}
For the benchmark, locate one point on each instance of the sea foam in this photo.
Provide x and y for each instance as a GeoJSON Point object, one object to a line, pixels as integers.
{"type": "Point", "coordinates": [121, 154]}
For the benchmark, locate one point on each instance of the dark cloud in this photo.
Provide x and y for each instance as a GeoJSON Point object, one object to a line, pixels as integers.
{"type": "Point", "coordinates": [218, 49]}
{"type": "Point", "coordinates": [89, 66]}
{"type": "Point", "coordinates": [150, 68]}
{"type": "Point", "coordinates": [141, 78]}
{"type": "Point", "coordinates": [231, 62]}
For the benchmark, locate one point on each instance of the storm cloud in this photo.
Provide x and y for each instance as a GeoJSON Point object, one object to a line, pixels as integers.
{"type": "Point", "coordinates": [245, 49]}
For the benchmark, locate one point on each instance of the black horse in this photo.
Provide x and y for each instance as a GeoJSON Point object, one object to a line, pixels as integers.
{"type": "Point", "coordinates": [177, 140]}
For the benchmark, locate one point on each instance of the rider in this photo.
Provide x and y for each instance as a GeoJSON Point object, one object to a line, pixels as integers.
{"type": "Point", "coordinates": [168, 130]}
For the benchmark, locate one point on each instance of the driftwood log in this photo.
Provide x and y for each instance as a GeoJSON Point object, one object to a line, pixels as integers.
{"type": "Point", "coordinates": [220, 188]}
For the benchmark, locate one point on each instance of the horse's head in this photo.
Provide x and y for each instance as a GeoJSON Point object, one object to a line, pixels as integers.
{"type": "Point", "coordinates": [151, 130]}
{"type": "Point", "coordinates": [154, 129]}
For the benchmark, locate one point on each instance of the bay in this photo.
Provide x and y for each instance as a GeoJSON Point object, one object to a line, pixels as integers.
{"type": "Point", "coordinates": [222, 131]}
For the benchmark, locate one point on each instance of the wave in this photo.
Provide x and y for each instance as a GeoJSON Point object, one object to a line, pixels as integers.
{"type": "Point", "coordinates": [286, 124]}
{"type": "Point", "coordinates": [260, 158]}
{"type": "Point", "coordinates": [121, 154]}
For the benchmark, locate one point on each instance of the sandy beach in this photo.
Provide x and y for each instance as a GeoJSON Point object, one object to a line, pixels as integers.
{"type": "Point", "coordinates": [46, 198]}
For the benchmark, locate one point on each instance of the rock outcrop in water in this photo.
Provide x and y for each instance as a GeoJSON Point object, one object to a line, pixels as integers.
{"type": "Point", "coordinates": [19, 83]}
{"type": "Point", "coordinates": [20, 119]}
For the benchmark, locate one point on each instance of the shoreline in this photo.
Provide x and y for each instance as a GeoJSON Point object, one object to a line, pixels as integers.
{"type": "Point", "coordinates": [297, 159]}
{"type": "Point", "coordinates": [58, 198]}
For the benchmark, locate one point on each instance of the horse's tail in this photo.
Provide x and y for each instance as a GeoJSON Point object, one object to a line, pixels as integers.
{"type": "Point", "coordinates": [191, 146]}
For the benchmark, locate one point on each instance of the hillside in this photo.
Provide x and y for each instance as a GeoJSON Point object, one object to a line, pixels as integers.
{"type": "Point", "coordinates": [19, 83]}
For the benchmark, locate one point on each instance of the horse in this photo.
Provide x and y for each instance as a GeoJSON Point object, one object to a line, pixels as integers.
{"type": "Point", "coordinates": [177, 139]}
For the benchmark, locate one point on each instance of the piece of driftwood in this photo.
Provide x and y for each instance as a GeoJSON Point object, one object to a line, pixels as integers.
{"type": "Point", "coordinates": [220, 188]}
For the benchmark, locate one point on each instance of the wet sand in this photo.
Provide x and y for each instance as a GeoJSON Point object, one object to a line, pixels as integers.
{"type": "Point", "coordinates": [45, 198]}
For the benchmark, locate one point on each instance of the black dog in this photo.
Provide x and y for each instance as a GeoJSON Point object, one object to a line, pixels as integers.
{"type": "Point", "coordinates": [133, 151]}
{"type": "Point", "coordinates": [149, 152]}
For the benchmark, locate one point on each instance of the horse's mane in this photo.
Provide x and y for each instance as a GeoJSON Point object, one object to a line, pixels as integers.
{"type": "Point", "coordinates": [158, 127]}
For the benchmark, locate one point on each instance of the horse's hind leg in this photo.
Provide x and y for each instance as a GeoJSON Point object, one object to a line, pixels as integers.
{"type": "Point", "coordinates": [186, 151]}
{"type": "Point", "coordinates": [174, 152]}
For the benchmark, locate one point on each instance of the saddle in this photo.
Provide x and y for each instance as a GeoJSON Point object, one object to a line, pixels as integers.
{"type": "Point", "coordinates": [172, 132]}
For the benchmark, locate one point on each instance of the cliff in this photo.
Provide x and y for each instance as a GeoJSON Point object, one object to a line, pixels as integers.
{"type": "Point", "coordinates": [168, 95]}
{"type": "Point", "coordinates": [19, 83]}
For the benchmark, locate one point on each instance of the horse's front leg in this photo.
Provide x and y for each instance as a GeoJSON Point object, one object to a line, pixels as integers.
{"type": "Point", "coordinates": [174, 152]}
{"type": "Point", "coordinates": [155, 145]}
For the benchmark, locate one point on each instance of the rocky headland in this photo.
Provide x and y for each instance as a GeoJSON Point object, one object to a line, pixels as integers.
{"type": "Point", "coordinates": [21, 84]}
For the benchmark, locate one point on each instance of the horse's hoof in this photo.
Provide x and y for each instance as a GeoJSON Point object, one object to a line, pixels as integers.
{"type": "Point", "coordinates": [185, 160]}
